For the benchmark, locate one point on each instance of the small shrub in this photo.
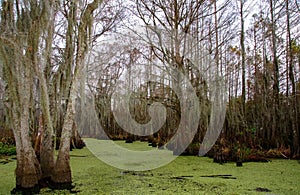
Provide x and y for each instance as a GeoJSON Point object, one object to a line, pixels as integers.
{"type": "Point", "coordinates": [7, 150]}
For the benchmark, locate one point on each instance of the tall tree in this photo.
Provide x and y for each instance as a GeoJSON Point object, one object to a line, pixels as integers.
{"type": "Point", "coordinates": [243, 54]}
{"type": "Point", "coordinates": [62, 170]}
{"type": "Point", "coordinates": [22, 29]}
{"type": "Point", "coordinates": [275, 69]}
{"type": "Point", "coordinates": [31, 62]}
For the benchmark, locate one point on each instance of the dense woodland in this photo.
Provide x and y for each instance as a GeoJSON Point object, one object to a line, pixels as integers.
{"type": "Point", "coordinates": [61, 62]}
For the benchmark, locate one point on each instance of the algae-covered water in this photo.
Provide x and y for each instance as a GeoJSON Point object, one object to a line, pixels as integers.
{"type": "Point", "coordinates": [185, 175]}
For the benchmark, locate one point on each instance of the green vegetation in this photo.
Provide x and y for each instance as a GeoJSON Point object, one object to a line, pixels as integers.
{"type": "Point", "coordinates": [7, 150]}
{"type": "Point", "coordinates": [185, 175]}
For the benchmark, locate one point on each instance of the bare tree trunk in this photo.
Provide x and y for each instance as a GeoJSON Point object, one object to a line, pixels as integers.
{"type": "Point", "coordinates": [275, 73]}
{"type": "Point", "coordinates": [47, 149]}
{"type": "Point", "coordinates": [242, 43]}
{"type": "Point", "coordinates": [62, 170]}
{"type": "Point", "coordinates": [31, 169]}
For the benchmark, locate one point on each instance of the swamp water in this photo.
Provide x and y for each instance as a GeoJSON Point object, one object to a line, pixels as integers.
{"type": "Point", "coordinates": [184, 175]}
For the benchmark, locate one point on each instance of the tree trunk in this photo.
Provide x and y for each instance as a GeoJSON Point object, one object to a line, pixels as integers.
{"type": "Point", "coordinates": [242, 43]}
{"type": "Point", "coordinates": [47, 148]}
{"type": "Point", "coordinates": [61, 176]}
{"type": "Point", "coordinates": [276, 116]}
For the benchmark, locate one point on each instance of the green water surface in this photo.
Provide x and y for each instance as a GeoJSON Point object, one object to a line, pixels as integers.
{"type": "Point", "coordinates": [185, 175]}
